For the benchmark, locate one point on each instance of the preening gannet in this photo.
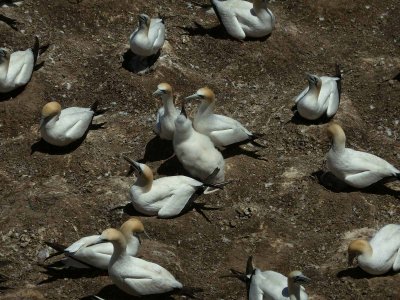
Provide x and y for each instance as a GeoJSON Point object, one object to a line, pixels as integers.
{"type": "Point", "coordinates": [167, 114]}
{"type": "Point", "coordinates": [321, 97]}
{"type": "Point", "coordinates": [356, 168]}
{"type": "Point", "coordinates": [60, 127]}
{"type": "Point", "coordinates": [149, 37]}
{"type": "Point", "coordinates": [380, 254]}
{"type": "Point", "coordinates": [16, 68]}
{"type": "Point", "coordinates": [165, 197]}
{"type": "Point", "coordinates": [82, 254]}
{"type": "Point", "coordinates": [196, 151]}
{"type": "Point", "coordinates": [223, 131]}
{"type": "Point", "coordinates": [243, 19]}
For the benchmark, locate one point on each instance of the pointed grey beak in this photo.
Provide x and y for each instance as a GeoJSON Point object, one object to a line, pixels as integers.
{"type": "Point", "coordinates": [41, 124]}
{"type": "Point", "coordinates": [192, 97]}
{"type": "Point", "coordinates": [157, 93]}
{"type": "Point", "coordinates": [133, 163]}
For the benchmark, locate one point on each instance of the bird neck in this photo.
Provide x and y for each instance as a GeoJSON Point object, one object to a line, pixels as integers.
{"type": "Point", "coordinates": [119, 248]}
{"type": "Point", "coordinates": [144, 183]}
{"type": "Point", "coordinates": [206, 108]}
{"type": "Point", "coordinates": [294, 290]}
{"type": "Point", "coordinates": [259, 5]}
{"type": "Point", "coordinates": [144, 29]}
{"type": "Point", "coordinates": [168, 103]}
{"type": "Point", "coordinates": [50, 122]}
{"type": "Point", "coordinates": [339, 142]}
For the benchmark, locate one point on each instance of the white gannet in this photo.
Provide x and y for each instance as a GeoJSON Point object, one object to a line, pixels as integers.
{"type": "Point", "coordinates": [223, 131]}
{"type": "Point", "coordinates": [321, 97]}
{"type": "Point", "coordinates": [167, 114]}
{"type": "Point", "coordinates": [243, 19]}
{"type": "Point", "coordinates": [149, 37]}
{"type": "Point", "coordinates": [60, 127]}
{"type": "Point", "coordinates": [82, 254]}
{"type": "Point", "coordinates": [380, 254]}
{"type": "Point", "coordinates": [357, 169]}
{"type": "Point", "coordinates": [16, 68]}
{"type": "Point", "coordinates": [9, 3]}
{"type": "Point", "coordinates": [196, 151]}
{"type": "Point", "coordinates": [165, 197]}
{"type": "Point", "coordinates": [133, 275]}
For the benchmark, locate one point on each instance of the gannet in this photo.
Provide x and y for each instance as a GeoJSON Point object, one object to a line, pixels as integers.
{"type": "Point", "coordinates": [321, 97]}
{"type": "Point", "coordinates": [82, 254]}
{"type": "Point", "coordinates": [133, 275]}
{"type": "Point", "coordinates": [60, 127]}
{"type": "Point", "coordinates": [196, 151]}
{"type": "Point", "coordinates": [149, 37]}
{"type": "Point", "coordinates": [16, 68]}
{"type": "Point", "coordinates": [167, 114]}
{"type": "Point", "coordinates": [243, 19]}
{"type": "Point", "coordinates": [380, 254]}
{"type": "Point", "coordinates": [165, 197]}
{"type": "Point", "coordinates": [357, 169]}
{"type": "Point", "coordinates": [8, 3]}
{"type": "Point", "coordinates": [223, 131]}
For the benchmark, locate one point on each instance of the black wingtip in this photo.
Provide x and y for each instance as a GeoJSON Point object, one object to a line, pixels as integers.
{"type": "Point", "coordinates": [338, 74]}
{"type": "Point", "coordinates": [35, 50]}
{"type": "Point", "coordinates": [249, 265]}
{"type": "Point", "coordinates": [190, 291]}
{"type": "Point", "coordinates": [397, 176]}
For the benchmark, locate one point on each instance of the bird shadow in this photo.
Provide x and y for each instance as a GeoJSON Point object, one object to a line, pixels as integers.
{"type": "Point", "coordinates": [234, 150]}
{"type": "Point", "coordinates": [70, 273]}
{"type": "Point", "coordinates": [171, 167]}
{"type": "Point", "coordinates": [299, 120]}
{"type": "Point", "coordinates": [358, 273]}
{"type": "Point", "coordinates": [157, 149]}
{"type": "Point", "coordinates": [12, 94]}
{"type": "Point", "coordinates": [129, 209]}
{"type": "Point", "coordinates": [137, 64]}
{"type": "Point", "coordinates": [332, 183]}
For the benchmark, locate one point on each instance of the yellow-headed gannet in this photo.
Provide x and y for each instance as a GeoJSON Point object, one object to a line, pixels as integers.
{"type": "Point", "coordinates": [60, 127]}
{"type": "Point", "coordinates": [243, 19]}
{"type": "Point", "coordinates": [357, 169]}
{"type": "Point", "coordinates": [82, 254]}
{"type": "Point", "coordinates": [223, 131]}
{"type": "Point", "coordinates": [167, 114]}
{"type": "Point", "coordinates": [165, 197]}
{"type": "Point", "coordinates": [16, 68]}
{"type": "Point", "coordinates": [196, 151]}
{"type": "Point", "coordinates": [380, 254]}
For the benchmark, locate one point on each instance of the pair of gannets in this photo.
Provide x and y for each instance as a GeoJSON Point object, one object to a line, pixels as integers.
{"type": "Point", "coordinates": [243, 19]}
{"type": "Point", "coordinates": [379, 255]}
{"type": "Point", "coordinates": [357, 169]}
{"type": "Point", "coordinates": [60, 127]}
{"type": "Point", "coordinates": [165, 197]}
{"type": "Point", "coordinates": [321, 97]}
{"type": "Point", "coordinates": [16, 68]}
{"type": "Point", "coordinates": [84, 254]}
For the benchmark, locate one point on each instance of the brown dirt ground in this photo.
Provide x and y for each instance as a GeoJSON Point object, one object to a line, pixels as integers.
{"type": "Point", "coordinates": [275, 210]}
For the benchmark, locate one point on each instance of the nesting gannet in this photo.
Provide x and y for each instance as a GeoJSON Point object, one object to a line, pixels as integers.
{"type": "Point", "coordinates": [321, 97]}
{"type": "Point", "coordinates": [380, 254]}
{"type": "Point", "coordinates": [60, 127]}
{"type": "Point", "coordinates": [149, 37]}
{"type": "Point", "coordinates": [133, 275]}
{"type": "Point", "coordinates": [243, 19]}
{"type": "Point", "coordinates": [196, 151]}
{"type": "Point", "coordinates": [82, 254]}
{"type": "Point", "coordinates": [16, 68]}
{"type": "Point", "coordinates": [167, 114]}
{"type": "Point", "coordinates": [356, 168]}
{"type": "Point", "coordinates": [223, 131]}
{"type": "Point", "coordinates": [165, 197]}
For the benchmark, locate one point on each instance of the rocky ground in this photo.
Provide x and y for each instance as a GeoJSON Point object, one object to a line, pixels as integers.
{"type": "Point", "coordinates": [275, 209]}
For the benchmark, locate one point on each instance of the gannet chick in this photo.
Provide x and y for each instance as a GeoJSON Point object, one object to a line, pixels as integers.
{"type": "Point", "coordinates": [196, 151]}
{"type": "Point", "coordinates": [82, 254]}
{"type": "Point", "coordinates": [165, 197]}
{"type": "Point", "coordinates": [167, 114]}
{"type": "Point", "coordinates": [133, 275]}
{"type": "Point", "coordinates": [243, 19]}
{"type": "Point", "coordinates": [223, 131]}
{"type": "Point", "coordinates": [149, 37]}
{"type": "Point", "coordinates": [357, 169]}
{"type": "Point", "coordinates": [60, 127]}
{"type": "Point", "coordinates": [321, 97]}
{"type": "Point", "coordinates": [16, 68]}
{"type": "Point", "coordinates": [380, 254]}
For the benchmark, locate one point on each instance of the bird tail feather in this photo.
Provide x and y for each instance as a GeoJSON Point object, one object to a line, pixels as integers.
{"type": "Point", "coordinates": [96, 110]}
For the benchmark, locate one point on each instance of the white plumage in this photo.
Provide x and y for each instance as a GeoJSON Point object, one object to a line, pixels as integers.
{"type": "Point", "coordinates": [243, 19]}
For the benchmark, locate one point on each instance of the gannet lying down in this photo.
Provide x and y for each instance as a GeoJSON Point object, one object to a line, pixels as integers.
{"type": "Point", "coordinates": [356, 168]}
{"type": "Point", "coordinates": [60, 127]}
{"type": "Point", "coordinates": [196, 152]}
{"type": "Point", "coordinates": [82, 254]}
{"type": "Point", "coordinates": [321, 97]}
{"type": "Point", "coordinates": [16, 68]}
{"type": "Point", "coordinates": [223, 131]}
{"type": "Point", "coordinates": [165, 197]}
{"type": "Point", "coordinates": [243, 19]}
{"type": "Point", "coordinates": [149, 37]}
{"type": "Point", "coordinates": [380, 254]}
{"type": "Point", "coordinates": [167, 114]}
{"type": "Point", "coordinates": [133, 275]}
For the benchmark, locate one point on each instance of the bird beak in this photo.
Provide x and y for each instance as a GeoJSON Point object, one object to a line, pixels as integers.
{"type": "Point", "coordinates": [192, 97]}
{"type": "Point", "coordinates": [157, 93]}
{"type": "Point", "coordinates": [144, 231]}
{"type": "Point", "coordinates": [133, 163]}
{"type": "Point", "coordinates": [183, 110]}
{"type": "Point", "coordinates": [41, 124]}
{"type": "Point", "coordinates": [350, 260]}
